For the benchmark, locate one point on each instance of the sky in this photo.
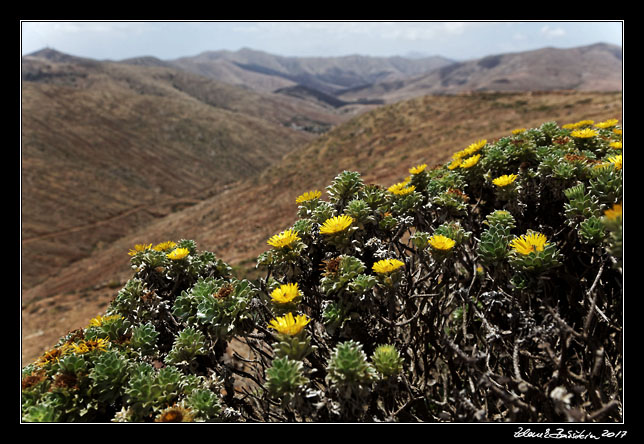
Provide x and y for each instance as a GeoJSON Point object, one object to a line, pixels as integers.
{"type": "Point", "coordinates": [167, 40]}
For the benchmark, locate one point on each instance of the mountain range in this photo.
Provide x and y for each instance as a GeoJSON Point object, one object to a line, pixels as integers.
{"type": "Point", "coordinates": [217, 146]}
{"type": "Point", "coordinates": [364, 79]}
{"type": "Point", "coordinates": [589, 68]}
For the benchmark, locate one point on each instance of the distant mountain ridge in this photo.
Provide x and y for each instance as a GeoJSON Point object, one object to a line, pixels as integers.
{"type": "Point", "coordinates": [596, 67]}
{"type": "Point", "coordinates": [326, 74]}
{"type": "Point", "coordinates": [347, 80]}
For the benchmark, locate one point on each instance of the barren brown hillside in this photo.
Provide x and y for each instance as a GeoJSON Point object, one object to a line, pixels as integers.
{"type": "Point", "coordinates": [108, 147]}
{"type": "Point", "coordinates": [236, 223]}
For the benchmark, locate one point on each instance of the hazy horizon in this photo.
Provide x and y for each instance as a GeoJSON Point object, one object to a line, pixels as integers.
{"type": "Point", "coordinates": [118, 40]}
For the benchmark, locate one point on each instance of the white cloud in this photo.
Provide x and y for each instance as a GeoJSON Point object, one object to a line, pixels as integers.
{"type": "Point", "coordinates": [552, 32]}
{"type": "Point", "coordinates": [408, 30]}
{"type": "Point", "coordinates": [456, 28]}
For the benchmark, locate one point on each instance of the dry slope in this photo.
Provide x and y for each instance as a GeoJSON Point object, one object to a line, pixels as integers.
{"type": "Point", "coordinates": [107, 147]}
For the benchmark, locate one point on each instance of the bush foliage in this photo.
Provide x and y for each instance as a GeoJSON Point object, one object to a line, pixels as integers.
{"type": "Point", "coordinates": [485, 289]}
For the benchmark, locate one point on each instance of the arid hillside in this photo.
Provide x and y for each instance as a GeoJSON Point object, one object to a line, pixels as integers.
{"type": "Point", "coordinates": [235, 222]}
{"type": "Point", "coordinates": [109, 147]}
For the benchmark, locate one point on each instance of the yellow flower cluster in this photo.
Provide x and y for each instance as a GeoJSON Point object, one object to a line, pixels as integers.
{"type": "Point", "coordinates": [474, 147]}
{"type": "Point", "coordinates": [461, 159]}
{"type": "Point", "coordinates": [90, 345]}
{"type": "Point", "coordinates": [610, 123]}
{"type": "Point", "coordinates": [401, 188]}
{"type": "Point", "coordinates": [577, 125]}
{"type": "Point", "coordinates": [82, 347]}
{"type": "Point", "coordinates": [163, 246]}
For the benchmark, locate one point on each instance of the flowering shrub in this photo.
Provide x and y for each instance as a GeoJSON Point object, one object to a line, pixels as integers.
{"type": "Point", "coordinates": [485, 289]}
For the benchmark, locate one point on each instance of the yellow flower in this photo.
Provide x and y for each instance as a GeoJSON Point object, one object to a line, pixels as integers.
{"type": "Point", "coordinates": [52, 355]}
{"type": "Point", "coordinates": [100, 320]}
{"type": "Point", "coordinates": [387, 265]}
{"type": "Point", "coordinates": [616, 161]}
{"type": "Point", "coordinates": [607, 123]}
{"type": "Point", "coordinates": [401, 188]}
{"type": "Point", "coordinates": [585, 133]}
{"type": "Point", "coordinates": [418, 169]}
{"type": "Point", "coordinates": [470, 161]}
{"type": "Point", "coordinates": [474, 147]}
{"type": "Point", "coordinates": [504, 180]}
{"type": "Point", "coordinates": [90, 345]}
{"type": "Point", "coordinates": [580, 124]}
{"type": "Point", "coordinates": [518, 131]}
{"type": "Point", "coordinates": [440, 242]}
{"type": "Point", "coordinates": [336, 224]}
{"type": "Point", "coordinates": [164, 246]}
{"type": "Point", "coordinates": [309, 195]}
{"type": "Point", "coordinates": [454, 164]}
{"type": "Point", "coordinates": [614, 213]}
{"type": "Point", "coordinates": [616, 145]}
{"type": "Point", "coordinates": [285, 293]}
{"type": "Point", "coordinates": [458, 155]}
{"type": "Point", "coordinates": [178, 253]}
{"type": "Point", "coordinates": [175, 413]}
{"type": "Point", "coordinates": [528, 243]}
{"type": "Point", "coordinates": [284, 239]}
{"type": "Point", "coordinates": [289, 325]}
{"type": "Point", "coordinates": [139, 248]}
